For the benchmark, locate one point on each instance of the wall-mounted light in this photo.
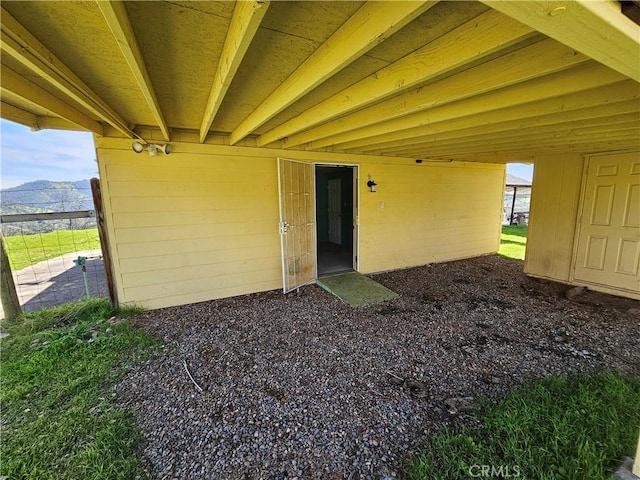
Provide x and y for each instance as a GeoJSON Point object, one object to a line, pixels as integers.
{"type": "Point", "coordinates": [152, 148]}
{"type": "Point", "coordinates": [373, 186]}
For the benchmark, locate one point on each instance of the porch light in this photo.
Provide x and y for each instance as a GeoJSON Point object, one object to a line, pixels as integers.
{"type": "Point", "coordinates": [152, 148]}
{"type": "Point", "coordinates": [373, 186]}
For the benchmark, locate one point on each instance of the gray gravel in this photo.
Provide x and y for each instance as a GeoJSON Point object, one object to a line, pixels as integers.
{"type": "Point", "coordinates": [304, 386]}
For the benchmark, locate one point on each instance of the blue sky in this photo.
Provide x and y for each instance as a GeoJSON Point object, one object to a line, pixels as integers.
{"type": "Point", "coordinates": [68, 156]}
{"type": "Point", "coordinates": [521, 170]}
{"type": "Point", "coordinates": [55, 155]}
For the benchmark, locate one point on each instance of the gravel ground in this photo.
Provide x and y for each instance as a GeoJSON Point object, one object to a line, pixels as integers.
{"type": "Point", "coordinates": [304, 386]}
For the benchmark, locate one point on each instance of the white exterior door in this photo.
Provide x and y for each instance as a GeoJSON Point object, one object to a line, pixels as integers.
{"type": "Point", "coordinates": [297, 223]}
{"type": "Point", "coordinates": [335, 211]}
{"type": "Point", "coordinates": [608, 250]}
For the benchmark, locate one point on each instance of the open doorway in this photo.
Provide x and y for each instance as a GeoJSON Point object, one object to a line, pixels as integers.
{"type": "Point", "coordinates": [336, 234]}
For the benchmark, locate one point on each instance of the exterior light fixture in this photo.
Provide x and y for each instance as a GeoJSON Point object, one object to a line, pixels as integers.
{"type": "Point", "coordinates": [373, 186]}
{"type": "Point", "coordinates": [152, 148]}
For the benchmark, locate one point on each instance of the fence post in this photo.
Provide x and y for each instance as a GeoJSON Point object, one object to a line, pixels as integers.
{"type": "Point", "coordinates": [10, 302]}
{"type": "Point", "coordinates": [636, 463]}
{"type": "Point", "coordinates": [102, 233]}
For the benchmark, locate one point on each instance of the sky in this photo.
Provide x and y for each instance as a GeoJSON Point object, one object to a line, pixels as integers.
{"type": "Point", "coordinates": [54, 155]}
{"type": "Point", "coordinates": [522, 170]}
{"type": "Point", "coordinates": [59, 155]}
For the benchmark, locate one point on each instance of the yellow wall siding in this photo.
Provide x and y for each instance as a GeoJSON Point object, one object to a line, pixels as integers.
{"type": "Point", "coordinates": [190, 227]}
{"type": "Point", "coordinates": [202, 222]}
{"type": "Point", "coordinates": [432, 213]}
{"type": "Point", "coordinates": [555, 197]}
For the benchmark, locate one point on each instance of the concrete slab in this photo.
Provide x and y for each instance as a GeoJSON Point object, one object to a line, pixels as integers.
{"type": "Point", "coordinates": [58, 280]}
{"type": "Point", "coordinates": [356, 289]}
{"type": "Point", "coordinates": [624, 472]}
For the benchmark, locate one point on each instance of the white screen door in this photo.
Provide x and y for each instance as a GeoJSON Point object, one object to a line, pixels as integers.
{"type": "Point", "coordinates": [608, 251]}
{"type": "Point", "coordinates": [296, 182]}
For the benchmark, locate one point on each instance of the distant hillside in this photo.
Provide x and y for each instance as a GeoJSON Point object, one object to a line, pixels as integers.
{"type": "Point", "coordinates": [44, 196]}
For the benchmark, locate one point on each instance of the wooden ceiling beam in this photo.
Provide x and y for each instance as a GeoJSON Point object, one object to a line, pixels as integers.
{"type": "Point", "coordinates": [613, 99]}
{"type": "Point", "coordinates": [36, 122]}
{"type": "Point", "coordinates": [577, 79]}
{"type": "Point", "coordinates": [597, 29]}
{"type": "Point", "coordinates": [625, 136]}
{"type": "Point", "coordinates": [369, 26]}
{"type": "Point", "coordinates": [56, 123]}
{"type": "Point", "coordinates": [21, 87]}
{"type": "Point", "coordinates": [537, 60]}
{"type": "Point", "coordinates": [245, 21]}
{"type": "Point", "coordinates": [15, 114]}
{"type": "Point", "coordinates": [475, 126]}
{"type": "Point", "coordinates": [17, 42]}
{"type": "Point", "coordinates": [484, 35]}
{"type": "Point", "coordinates": [529, 155]}
{"type": "Point", "coordinates": [118, 21]}
{"type": "Point", "coordinates": [596, 127]}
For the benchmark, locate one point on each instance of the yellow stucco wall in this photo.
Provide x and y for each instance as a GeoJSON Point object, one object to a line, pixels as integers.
{"type": "Point", "coordinates": [555, 197]}
{"type": "Point", "coordinates": [202, 222]}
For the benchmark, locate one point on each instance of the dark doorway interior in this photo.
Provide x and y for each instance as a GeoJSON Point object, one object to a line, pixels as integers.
{"type": "Point", "coordinates": [334, 219]}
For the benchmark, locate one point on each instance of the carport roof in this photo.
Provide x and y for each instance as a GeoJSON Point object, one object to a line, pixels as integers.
{"type": "Point", "coordinates": [481, 81]}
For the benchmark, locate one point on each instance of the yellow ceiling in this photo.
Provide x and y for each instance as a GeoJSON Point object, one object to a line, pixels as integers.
{"type": "Point", "coordinates": [421, 79]}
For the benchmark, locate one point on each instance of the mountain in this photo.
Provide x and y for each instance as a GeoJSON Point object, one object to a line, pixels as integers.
{"type": "Point", "coordinates": [44, 196]}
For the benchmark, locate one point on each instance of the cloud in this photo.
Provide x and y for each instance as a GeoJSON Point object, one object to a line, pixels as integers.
{"type": "Point", "coordinates": [45, 155]}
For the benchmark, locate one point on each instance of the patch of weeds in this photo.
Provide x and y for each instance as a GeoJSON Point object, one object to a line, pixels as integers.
{"type": "Point", "coordinates": [557, 428]}
{"type": "Point", "coordinates": [57, 420]}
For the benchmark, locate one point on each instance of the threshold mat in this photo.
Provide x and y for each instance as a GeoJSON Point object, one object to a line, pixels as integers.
{"type": "Point", "coordinates": [356, 289]}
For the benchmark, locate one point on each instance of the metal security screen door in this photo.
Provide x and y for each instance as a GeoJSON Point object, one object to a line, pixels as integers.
{"type": "Point", "coordinates": [297, 223]}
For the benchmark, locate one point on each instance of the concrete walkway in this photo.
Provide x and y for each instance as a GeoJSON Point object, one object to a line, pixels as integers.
{"type": "Point", "coordinates": [58, 280]}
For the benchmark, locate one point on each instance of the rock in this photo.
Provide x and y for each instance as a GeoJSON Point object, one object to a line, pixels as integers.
{"type": "Point", "coordinates": [562, 338]}
{"type": "Point", "coordinates": [459, 404]}
{"type": "Point", "coordinates": [634, 311]}
{"type": "Point", "coordinates": [574, 292]}
{"type": "Point", "coordinates": [416, 388]}
{"type": "Point", "coordinates": [491, 379]}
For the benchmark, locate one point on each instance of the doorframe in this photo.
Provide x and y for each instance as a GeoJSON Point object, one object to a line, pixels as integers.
{"type": "Point", "coordinates": [356, 208]}
{"type": "Point", "coordinates": [578, 224]}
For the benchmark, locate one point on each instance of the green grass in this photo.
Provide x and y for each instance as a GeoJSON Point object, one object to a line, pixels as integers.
{"type": "Point", "coordinates": [58, 421]}
{"type": "Point", "coordinates": [556, 428]}
{"type": "Point", "coordinates": [513, 242]}
{"type": "Point", "coordinates": [25, 250]}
